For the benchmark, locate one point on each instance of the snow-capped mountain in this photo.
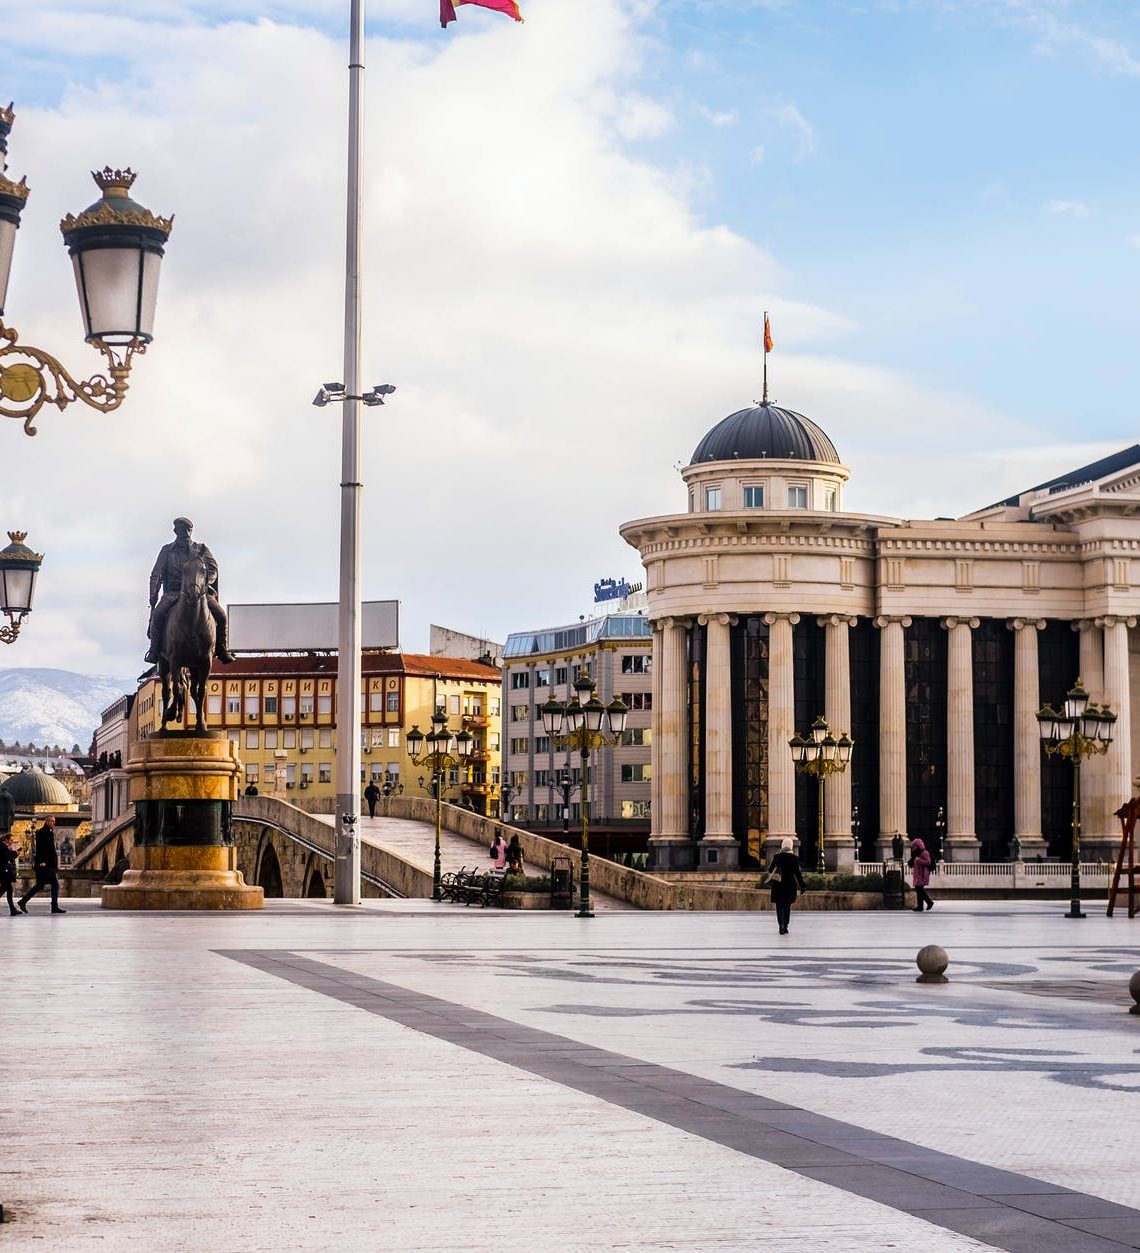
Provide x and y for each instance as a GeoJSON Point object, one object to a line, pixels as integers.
{"type": "Point", "coordinates": [55, 706]}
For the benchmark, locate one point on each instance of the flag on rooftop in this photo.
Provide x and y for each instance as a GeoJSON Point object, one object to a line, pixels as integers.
{"type": "Point", "coordinates": [767, 334]}
{"type": "Point", "coordinates": [447, 9]}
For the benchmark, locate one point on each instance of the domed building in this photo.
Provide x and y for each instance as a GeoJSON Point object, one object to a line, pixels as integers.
{"type": "Point", "coordinates": [34, 795]}
{"type": "Point", "coordinates": [930, 644]}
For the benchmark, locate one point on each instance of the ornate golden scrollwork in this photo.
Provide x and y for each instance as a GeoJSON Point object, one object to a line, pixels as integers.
{"type": "Point", "coordinates": [31, 378]}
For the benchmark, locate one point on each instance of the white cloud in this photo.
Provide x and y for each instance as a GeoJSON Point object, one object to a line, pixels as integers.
{"type": "Point", "coordinates": [789, 117]}
{"type": "Point", "coordinates": [1067, 208]}
{"type": "Point", "coordinates": [561, 325]}
{"type": "Point", "coordinates": [1053, 34]}
{"type": "Point", "coordinates": [726, 117]}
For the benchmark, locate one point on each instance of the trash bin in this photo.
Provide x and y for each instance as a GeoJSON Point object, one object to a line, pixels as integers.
{"type": "Point", "coordinates": [894, 885]}
{"type": "Point", "coordinates": [561, 883]}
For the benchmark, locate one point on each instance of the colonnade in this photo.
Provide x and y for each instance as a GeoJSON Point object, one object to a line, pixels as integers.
{"type": "Point", "coordinates": [1106, 781]}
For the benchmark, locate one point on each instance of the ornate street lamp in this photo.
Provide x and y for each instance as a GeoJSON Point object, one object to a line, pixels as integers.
{"type": "Point", "coordinates": [116, 249]}
{"type": "Point", "coordinates": [821, 754]}
{"type": "Point", "coordinates": [583, 724]}
{"type": "Point", "coordinates": [444, 750]}
{"type": "Point", "coordinates": [563, 786]}
{"type": "Point", "coordinates": [18, 569]}
{"type": "Point", "coordinates": [1075, 731]}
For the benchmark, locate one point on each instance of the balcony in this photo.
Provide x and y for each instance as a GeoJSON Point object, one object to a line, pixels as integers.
{"type": "Point", "coordinates": [475, 720]}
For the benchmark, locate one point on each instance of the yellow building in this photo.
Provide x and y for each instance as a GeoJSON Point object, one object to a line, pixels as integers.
{"type": "Point", "coordinates": [280, 712]}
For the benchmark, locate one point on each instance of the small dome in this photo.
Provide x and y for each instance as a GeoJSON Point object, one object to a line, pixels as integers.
{"type": "Point", "coordinates": [33, 787]}
{"type": "Point", "coordinates": [765, 431]}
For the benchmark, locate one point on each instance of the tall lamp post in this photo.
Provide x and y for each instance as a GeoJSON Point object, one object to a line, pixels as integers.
{"type": "Point", "coordinates": [564, 785]}
{"type": "Point", "coordinates": [819, 753]}
{"type": "Point", "coordinates": [18, 569]}
{"type": "Point", "coordinates": [1076, 731]}
{"type": "Point", "coordinates": [584, 724]}
{"type": "Point", "coordinates": [116, 249]}
{"type": "Point", "coordinates": [444, 750]}
{"type": "Point", "coordinates": [506, 791]}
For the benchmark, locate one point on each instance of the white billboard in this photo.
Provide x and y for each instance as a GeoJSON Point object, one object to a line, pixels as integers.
{"type": "Point", "coordinates": [309, 628]}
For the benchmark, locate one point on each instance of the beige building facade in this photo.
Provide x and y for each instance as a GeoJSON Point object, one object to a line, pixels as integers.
{"type": "Point", "coordinates": [931, 643]}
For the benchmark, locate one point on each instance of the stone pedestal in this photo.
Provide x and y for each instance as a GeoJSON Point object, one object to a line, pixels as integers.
{"type": "Point", "coordinates": [183, 785]}
{"type": "Point", "coordinates": [718, 853]}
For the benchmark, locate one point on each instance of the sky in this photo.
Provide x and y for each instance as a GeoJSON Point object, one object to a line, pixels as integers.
{"type": "Point", "coordinates": [573, 228]}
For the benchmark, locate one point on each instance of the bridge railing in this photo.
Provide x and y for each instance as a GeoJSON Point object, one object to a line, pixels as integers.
{"type": "Point", "coordinates": [974, 876]}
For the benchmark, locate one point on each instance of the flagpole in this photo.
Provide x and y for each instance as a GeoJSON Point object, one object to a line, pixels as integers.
{"type": "Point", "coordinates": [765, 400]}
{"type": "Point", "coordinates": [346, 866]}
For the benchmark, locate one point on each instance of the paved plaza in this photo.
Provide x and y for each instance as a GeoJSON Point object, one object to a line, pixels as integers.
{"type": "Point", "coordinates": [409, 1076]}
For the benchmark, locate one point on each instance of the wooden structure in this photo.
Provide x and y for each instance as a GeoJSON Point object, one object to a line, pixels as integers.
{"type": "Point", "coordinates": [1126, 867]}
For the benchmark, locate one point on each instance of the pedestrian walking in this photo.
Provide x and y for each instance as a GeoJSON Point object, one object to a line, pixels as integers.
{"type": "Point", "coordinates": [499, 851]}
{"type": "Point", "coordinates": [372, 795]}
{"type": "Point", "coordinates": [9, 869]}
{"type": "Point", "coordinates": [920, 864]}
{"type": "Point", "coordinates": [786, 881]}
{"type": "Point", "coordinates": [514, 856]}
{"type": "Point", "coordinates": [47, 867]}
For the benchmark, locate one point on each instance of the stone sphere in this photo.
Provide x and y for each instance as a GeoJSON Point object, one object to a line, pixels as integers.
{"type": "Point", "coordinates": [1134, 988]}
{"type": "Point", "coordinates": [932, 961]}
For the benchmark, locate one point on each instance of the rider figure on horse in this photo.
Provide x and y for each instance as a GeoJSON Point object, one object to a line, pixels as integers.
{"type": "Point", "coordinates": [167, 575]}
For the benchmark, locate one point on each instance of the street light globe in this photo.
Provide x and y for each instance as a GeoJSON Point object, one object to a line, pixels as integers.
{"type": "Point", "coordinates": [13, 197]}
{"type": "Point", "coordinates": [19, 567]}
{"type": "Point", "coordinates": [116, 249]}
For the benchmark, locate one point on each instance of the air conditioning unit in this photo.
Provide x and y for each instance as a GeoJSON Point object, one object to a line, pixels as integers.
{"type": "Point", "coordinates": [304, 750]}
{"type": "Point", "coordinates": [289, 785]}
{"type": "Point", "coordinates": [304, 785]}
{"type": "Point", "coordinates": [288, 717]}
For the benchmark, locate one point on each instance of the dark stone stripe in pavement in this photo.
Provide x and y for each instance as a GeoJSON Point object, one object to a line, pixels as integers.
{"type": "Point", "coordinates": [1001, 1208]}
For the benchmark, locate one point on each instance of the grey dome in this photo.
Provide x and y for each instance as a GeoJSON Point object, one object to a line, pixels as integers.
{"type": "Point", "coordinates": [765, 431]}
{"type": "Point", "coordinates": [33, 787]}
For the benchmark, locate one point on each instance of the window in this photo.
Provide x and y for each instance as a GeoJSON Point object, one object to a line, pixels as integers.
{"type": "Point", "coordinates": [233, 704]}
{"type": "Point", "coordinates": [393, 702]}
{"type": "Point", "coordinates": [324, 706]}
{"type": "Point", "coordinates": [306, 739]}
{"type": "Point", "coordinates": [754, 497]}
{"type": "Point", "coordinates": [520, 746]}
{"type": "Point", "coordinates": [251, 773]}
{"type": "Point", "coordinates": [394, 737]}
{"type": "Point", "coordinates": [289, 707]}
{"type": "Point", "coordinates": [830, 499]}
{"type": "Point", "coordinates": [214, 705]}
{"type": "Point", "coordinates": [542, 678]}
{"type": "Point", "coordinates": [289, 739]}
{"type": "Point", "coordinates": [232, 736]}
{"type": "Point", "coordinates": [520, 713]}
{"type": "Point", "coordinates": [324, 772]}
{"type": "Point", "coordinates": [306, 774]}
{"type": "Point", "coordinates": [271, 705]}
{"type": "Point", "coordinates": [638, 663]}
{"type": "Point", "coordinates": [559, 675]}
{"type": "Point", "coordinates": [377, 738]}
{"type": "Point", "coordinates": [712, 498]}
{"type": "Point", "coordinates": [518, 813]}
{"type": "Point", "coordinates": [519, 679]}
{"type": "Point", "coordinates": [495, 774]}
{"type": "Point", "coordinates": [493, 741]}
{"type": "Point", "coordinates": [306, 707]}
{"type": "Point", "coordinates": [797, 496]}
{"type": "Point", "coordinates": [636, 737]}
{"type": "Point", "coordinates": [290, 774]}
{"type": "Point", "coordinates": [252, 738]}
{"type": "Point", "coordinates": [541, 744]}
{"type": "Point", "coordinates": [325, 738]}
{"type": "Point", "coordinates": [635, 809]}
{"type": "Point", "coordinates": [636, 773]}
{"type": "Point", "coordinates": [544, 778]}
{"type": "Point", "coordinates": [252, 706]}
{"type": "Point", "coordinates": [453, 704]}
{"type": "Point", "coordinates": [542, 813]}
{"type": "Point", "coordinates": [375, 702]}
{"type": "Point", "coordinates": [271, 739]}
{"type": "Point", "coordinates": [377, 771]}
{"type": "Point", "coordinates": [518, 778]}
{"type": "Point", "coordinates": [496, 706]}
{"type": "Point", "coordinates": [638, 700]}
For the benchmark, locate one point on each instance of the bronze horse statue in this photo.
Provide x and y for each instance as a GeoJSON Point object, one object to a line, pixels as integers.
{"type": "Point", "coordinates": [187, 647]}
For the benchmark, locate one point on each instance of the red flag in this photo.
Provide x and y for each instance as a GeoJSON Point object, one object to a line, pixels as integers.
{"type": "Point", "coordinates": [447, 9]}
{"type": "Point", "coordinates": [767, 335]}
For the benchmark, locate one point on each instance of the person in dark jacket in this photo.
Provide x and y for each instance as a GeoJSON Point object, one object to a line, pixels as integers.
{"type": "Point", "coordinates": [920, 864]}
{"type": "Point", "coordinates": [789, 883]}
{"type": "Point", "coordinates": [9, 868]}
{"type": "Point", "coordinates": [371, 796]}
{"type": "Point", "coordinates": [47, 867]}
{"type": "Point", "coordinates": [514, 856]}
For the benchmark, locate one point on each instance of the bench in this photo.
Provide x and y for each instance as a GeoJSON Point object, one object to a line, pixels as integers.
{"type": "Point", "coordinates": [471, 887]}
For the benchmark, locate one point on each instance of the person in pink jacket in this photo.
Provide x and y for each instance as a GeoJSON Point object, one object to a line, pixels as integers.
{"type": "Point", "coordinates": [499, 852]}
{"type": "Point", "coordinates": [920, 863]}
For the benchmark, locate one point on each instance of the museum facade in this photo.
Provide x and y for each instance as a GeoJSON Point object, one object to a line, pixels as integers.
{"type": "Point", "coordinates": [930, 643]}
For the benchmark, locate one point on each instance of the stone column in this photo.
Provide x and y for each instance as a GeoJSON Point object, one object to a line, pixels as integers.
{"type": "Point", "coordinates": [1097, 820]}
{"type": "Point", "coordinates": [892, 731]}
{"type": "Point", "coordinates": [1026, 738]}
{"type": "Point", "coordinates": [718, 847]}
{"type": "Point", "coordinates": [658, 664]}
{"type": "Point", "coordinates": [961, 839]}
{"type": "Point", "coordinates": [781, 728]}
{"type": "Point", "coordinates": [839, 850]}
{"type": "Point", "coordinates": [1118, 760]}
{"type": "Point", "coordinates": [671, 845]}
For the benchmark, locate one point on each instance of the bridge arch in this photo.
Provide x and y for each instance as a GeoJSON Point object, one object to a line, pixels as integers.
{"type": "Point", "coordinates": [314, 880]}
{"type": "Point", "coordinates": [269, 871]}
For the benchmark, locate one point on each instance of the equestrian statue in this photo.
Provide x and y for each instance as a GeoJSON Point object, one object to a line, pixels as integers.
{"type": "Point", "coordinates": [188, 626]}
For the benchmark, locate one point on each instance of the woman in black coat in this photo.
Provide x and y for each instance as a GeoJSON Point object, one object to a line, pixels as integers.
{"type": "Point", "coordinates": [9, 865]}
{"type": "Point", "coordinates": [787, 882]}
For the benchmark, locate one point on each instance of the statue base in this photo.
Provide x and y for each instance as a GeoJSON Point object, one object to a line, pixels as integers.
{"type": "Point", "coordinates": [183, 786]}
{"type": "Point", "coordinates": [183, 877]}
